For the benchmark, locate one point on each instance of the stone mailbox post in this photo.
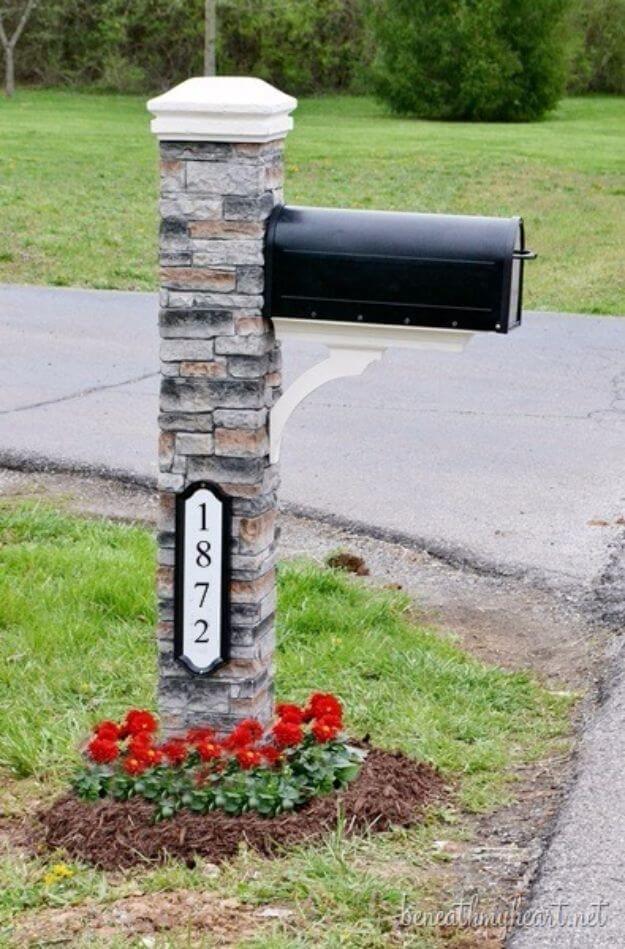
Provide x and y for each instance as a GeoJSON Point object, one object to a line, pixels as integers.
{"type": "Point", "coordinates": [233, 273]}
{"type": "Point", "coordinates": [221, 142]}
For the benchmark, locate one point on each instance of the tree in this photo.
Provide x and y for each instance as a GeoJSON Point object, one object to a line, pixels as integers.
{"type": "Point", "coordinates": [10, 40]}
{"type": "Point", "coordinates": [210, 31]}
{"type": "Point", "coordinates": [598, 62]}
{"type": "Point", "coordinates": [476, 60]}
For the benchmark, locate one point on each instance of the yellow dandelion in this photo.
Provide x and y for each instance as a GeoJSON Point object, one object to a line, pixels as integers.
{"type": "Point", "coordinates": [60, 871]}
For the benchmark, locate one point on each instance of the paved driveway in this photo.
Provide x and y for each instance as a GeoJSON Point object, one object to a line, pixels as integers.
{"type": "Point", "coordinates": [512, 452]}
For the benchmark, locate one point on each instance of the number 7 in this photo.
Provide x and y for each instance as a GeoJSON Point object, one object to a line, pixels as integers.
{"type": "Point", "coordinates": [204, 594]}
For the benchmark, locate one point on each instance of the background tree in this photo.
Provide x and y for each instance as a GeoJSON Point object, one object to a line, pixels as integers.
{"type": "Point", "coordinates": [480, 60]}
{"type": "Point", "coordinates": [301, 46]}
{"type": "Point", "coordinates": [18, 14]}
{"type": "Point", "coordinates": [598, 61]}
{"type": "Point", "coordinates": [210, 37]}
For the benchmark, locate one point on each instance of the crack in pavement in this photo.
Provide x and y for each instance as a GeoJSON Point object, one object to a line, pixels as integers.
{"type": "Point", "coordinates": [417, 410]}
{"type": "Point", "coordinates": [616, 408]}
{"type": "Point", "coordinates": [616, 383]}
{"type": "Point", "coordinates": [79, 395]}
{"type": "Point", "coordinates": [411, 410]}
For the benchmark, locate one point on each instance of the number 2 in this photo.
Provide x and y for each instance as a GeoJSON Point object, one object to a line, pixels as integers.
{"type": "Point", "coordinates": [203, 637]}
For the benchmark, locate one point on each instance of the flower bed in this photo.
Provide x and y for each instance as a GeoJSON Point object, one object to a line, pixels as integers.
{"type": "Point", "coordinates": [391, 790]}
{"type": "Point", "coordinates": [305, 753]}
{"type": "Point", "coordinates": [140, 799]}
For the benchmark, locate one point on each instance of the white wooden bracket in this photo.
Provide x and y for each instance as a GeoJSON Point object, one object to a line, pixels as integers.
{"type": "Point", "coordinates": [341, 361]}
{"type": "Point", "coordinates": [352, 347]}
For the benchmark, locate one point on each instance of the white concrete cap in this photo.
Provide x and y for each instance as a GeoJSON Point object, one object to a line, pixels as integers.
{"type": "Point", "coordinates": [222, 109]}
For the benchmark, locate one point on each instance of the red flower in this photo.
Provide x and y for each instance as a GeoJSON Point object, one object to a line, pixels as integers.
{"type": "Point", "coordinates": [287, 733]}
{"type": "Point", "coordinates": [290, 713]}
{"type": "Point", "coordinates": [139, 742]}
{"type": "Point", "coordinates": [102, 750]}
{"type": "Point", "coordinates": [246, 733]}
{"type": "Point", "coordinates": [271, 754]}
{"type": "Point", "coordinates": [139, 720]}
{"type": "Point", "coordinates": [110, 731]}
{"type": "Point", "coordinates": [175, 750]}
{"type": "Point", "coordinates": [334, 721]}
{"type": "Point", "coordinates": [324, 730]}
{"type": "Point", "coordinates": [248, 758]}
{"type": "Point", "coordinates": [209, 750]}
{"type": "Point", "coordinates": [132, 765]}
{"type": "Point", "coordinates": [252, 726]}
{"type": "Point", "coordinates": [141, 746]}
{"type": "Point", "coordinates": [148, 753]}
{"type": "Point", "coordinates": [199, 734]}
{"type": "Point", "coordinates": [323, 703]}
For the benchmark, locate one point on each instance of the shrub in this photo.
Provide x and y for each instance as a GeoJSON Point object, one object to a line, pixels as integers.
{"type": "Point", "coordinates": [113, 43]}
{"type": "Point", "coordinates": [598, 62]}
{"type": "Point", "coordinates": [252, 769]}
{"type": "Point", "coordinates": [301, 45]}
{"type": "Point", "coordinates": [479, 60]}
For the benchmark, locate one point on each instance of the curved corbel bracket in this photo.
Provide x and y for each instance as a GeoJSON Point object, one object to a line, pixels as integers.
{"type": "Point", "coordinates": [353, 347]}
{"type": "Point", "coordinates": [341, 361]}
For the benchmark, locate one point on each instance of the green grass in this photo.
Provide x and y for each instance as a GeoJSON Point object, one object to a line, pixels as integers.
{"type": "Point", "coordinates": [406, 686]}
{"type": "Point", "coordinates": [76, 617]}
{"type": "Point", "coordinates": [342, 892]}
{"type": "Point", "coordinates": [76, 612]}
{"type": "Point", "coordinates": [77, 643]}
{"type": "Point", "coordinates": [78, 186]}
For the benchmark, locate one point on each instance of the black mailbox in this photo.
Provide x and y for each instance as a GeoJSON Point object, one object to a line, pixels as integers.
{"type": "Point", "coordinates": [433, 270]}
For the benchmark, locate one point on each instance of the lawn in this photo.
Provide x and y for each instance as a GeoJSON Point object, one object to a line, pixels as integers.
{"type": "Point", "coordinates": [77, 644]}
{"type": "Point", "coordinates": [78, 186]}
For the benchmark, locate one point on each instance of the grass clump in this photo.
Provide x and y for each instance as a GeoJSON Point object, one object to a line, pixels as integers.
{"type": "Point", "coordinates": [406, 685]}
{"type": "Point", "coordinates": [77, 612]}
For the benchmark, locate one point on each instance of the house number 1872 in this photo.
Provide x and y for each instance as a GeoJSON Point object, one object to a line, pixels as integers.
{"type": "Point", "coordinates": [202, 546]}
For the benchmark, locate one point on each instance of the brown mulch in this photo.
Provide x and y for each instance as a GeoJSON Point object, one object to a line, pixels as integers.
{"type": "Point", "coordinates": [390, 791]}
{"type": "Point", "coordinates": [351, 563]}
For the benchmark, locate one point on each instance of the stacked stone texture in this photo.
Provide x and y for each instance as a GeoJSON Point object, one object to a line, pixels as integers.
{"type": "Point", "coordinates": [220, 376]}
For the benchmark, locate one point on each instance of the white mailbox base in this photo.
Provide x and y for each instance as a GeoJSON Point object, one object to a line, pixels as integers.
{"type": "Point", "coordinates": [352, 348]}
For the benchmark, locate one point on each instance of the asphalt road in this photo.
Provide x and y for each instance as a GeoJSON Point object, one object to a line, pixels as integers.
{"type": "Point", "coordinates": [579, 899]}
{"type": "Point", "coordinates": [512, 452]}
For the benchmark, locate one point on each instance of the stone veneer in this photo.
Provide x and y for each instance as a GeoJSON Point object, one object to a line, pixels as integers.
{"type": "Point", "coordinates": [220, 366]}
